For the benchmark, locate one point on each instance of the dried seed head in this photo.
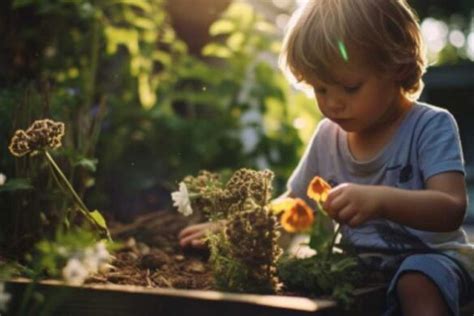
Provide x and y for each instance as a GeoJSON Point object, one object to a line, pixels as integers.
{"type": "Point", "coordinates": [42, 134]}
{"type": "Point", "coordinates": [19, 145]}
{"type": "Point", "coordinates": [247, 183]}
{"type": "Point", "coordinates": [253, 235]}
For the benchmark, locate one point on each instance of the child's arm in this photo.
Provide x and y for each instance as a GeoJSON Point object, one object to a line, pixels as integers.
{"type": "Point", "coordinates": [440, 207]}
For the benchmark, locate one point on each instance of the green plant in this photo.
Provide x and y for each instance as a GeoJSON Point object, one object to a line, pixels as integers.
{"type": "Point", "coordinates": [231, 110]}
{"type": "Point", "coordinates": [244, 253]}
{"type": "Point", "coordinates": [327, 272]}
{"type": "Point", "coordinates": [68, 62]}
{"type": "Point", "coordinates": [336, 276]}
{"type": "Point", "coordinates": [73, 256]}
{"type": "Point", "coordinates": [39, 138]}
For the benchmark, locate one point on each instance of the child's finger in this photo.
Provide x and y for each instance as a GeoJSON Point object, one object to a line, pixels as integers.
{"type": "Point", "coordinates": [346, 215]}
{"type": "Point", "coordinates": [333, 193]}
{"type": "Point", "coordinates": [356, 220]}
{"type": "Point", "coordinates": [191, 229]}
{"type": "Point", "coordinates": [335, 206]}
{"type": "Point", "coordinates": [198, 243]}
{"type": "Point", "coordinates": [188, 240]}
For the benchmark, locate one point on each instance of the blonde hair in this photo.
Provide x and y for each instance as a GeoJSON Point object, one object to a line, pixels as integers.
{"type": "Point", "coordinates": [385, 32]}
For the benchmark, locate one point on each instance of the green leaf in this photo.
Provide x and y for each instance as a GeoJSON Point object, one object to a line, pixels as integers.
{"type": "Point", "coordinates": [121, 36]}
{"type": "Point", "coordinates": [99, 219]}
{"type": "Point", "coordinates": [216, 51]}
{"type": "Point", "coordinates": [142, 4]}
{"type": "Point", "coordinates": [264, 26]}
{"type": "Point", "coordinates": [88, 164]}
{"type": "Point", "coordinates": [162, 57]}
{"type": "Point", "coordinates": [21, 3]}
{"type": "Point", "coordinates": [343, 264]}
{"type": "Point", "coordinates": [144, 23]}
{"type": "Point", "coordinates": [221, 27]}
{"type": "Point", "coordinates": [321, 233]}
{"type": "Point", "coordinates": [16, 184]}
{"type": "Point", "coordinates": [236, 40]}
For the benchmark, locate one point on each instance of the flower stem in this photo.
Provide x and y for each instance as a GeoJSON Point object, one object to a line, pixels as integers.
{"type": "Point", "coordinates": [63, 189]}
{"type": "Point", "coordinates": [82, 207]}
{"type": "Point", "coordinates": [333, 241]}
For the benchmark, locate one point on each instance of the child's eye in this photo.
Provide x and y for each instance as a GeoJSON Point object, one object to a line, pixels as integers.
{"type": "Point", "coordinates": [351, 89]}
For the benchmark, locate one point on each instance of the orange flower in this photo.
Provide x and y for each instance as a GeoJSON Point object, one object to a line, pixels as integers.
{"type": "Point", "coordinates": [298, 217]}
{"type": "Point", "coordinates": [281, 205]}
{"type": "Point", "coordinates": [318, 189]}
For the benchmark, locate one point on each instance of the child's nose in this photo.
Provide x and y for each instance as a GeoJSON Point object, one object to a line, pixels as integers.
{"type": "Point", "coordinates": [334, 105]}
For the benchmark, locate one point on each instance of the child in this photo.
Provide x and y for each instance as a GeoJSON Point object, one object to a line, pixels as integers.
{"type": "Point", "coordinates": [396, 164]}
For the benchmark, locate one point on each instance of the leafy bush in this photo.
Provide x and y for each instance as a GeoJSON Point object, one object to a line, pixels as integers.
{"type": "Point", "coordinates": [140, 111]}
{"type": "Point", "coordinates": [230, 111]}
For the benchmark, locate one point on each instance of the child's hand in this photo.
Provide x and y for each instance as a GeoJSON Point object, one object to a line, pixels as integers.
{"type": "Point", "coordinates": [353, 204]}
{"type": "Point", "coordinates": [194, 235]}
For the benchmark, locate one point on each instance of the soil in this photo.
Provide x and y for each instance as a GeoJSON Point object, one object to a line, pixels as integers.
{"type": "Point", "coordinates": [151, 255]}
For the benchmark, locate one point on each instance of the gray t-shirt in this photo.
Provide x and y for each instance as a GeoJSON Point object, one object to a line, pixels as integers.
{"type": "Point", "coordinates": [426, 143]}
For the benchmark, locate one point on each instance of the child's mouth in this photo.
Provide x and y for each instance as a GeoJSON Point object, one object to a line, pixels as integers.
{"type": "Point", "coordinates": [341, 121]}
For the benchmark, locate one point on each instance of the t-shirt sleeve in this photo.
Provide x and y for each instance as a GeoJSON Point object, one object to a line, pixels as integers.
{"type": "Point", "coordinates": [307, 167]}
{"type": "Point", "coordinates": [439, 146]}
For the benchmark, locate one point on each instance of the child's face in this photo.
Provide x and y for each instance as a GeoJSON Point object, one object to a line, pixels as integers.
{"type": "Point", "coordinates": [360, 100]}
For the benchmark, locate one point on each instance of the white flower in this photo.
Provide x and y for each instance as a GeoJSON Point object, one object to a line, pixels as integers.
{"type": "Point", "coordinates": [74, 272]}
{"type": "Point", "coordinates": [181, 200]}
{"type": "Point", "coordinates": [4, 298]}
{"type": "Point", "coordinates": [3, 179]}
{"type": "Point", "coordinates": [89, 261]}
{"type": "Point", "coordinates": [101, 252]}
{"type": "Point", "coordinates": [106, 267]}
{"type": "Point", "coordinates": [95, 258]}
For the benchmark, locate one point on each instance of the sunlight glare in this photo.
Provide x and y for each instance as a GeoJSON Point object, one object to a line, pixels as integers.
{"type": "Point", "coordinates": [282, 20]}
{"type": "Point", "coordinates": [282, 4]}
{"type": "Point", "coordinates": [301, 3]}
{"type": "Point", "coordinates": [299, 123]}
{"type": "Point", "coordinates": [435, 33]}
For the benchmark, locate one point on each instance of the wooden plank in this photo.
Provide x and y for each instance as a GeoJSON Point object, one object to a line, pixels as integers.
{"type": "Point", "coordinates": [120, 300]}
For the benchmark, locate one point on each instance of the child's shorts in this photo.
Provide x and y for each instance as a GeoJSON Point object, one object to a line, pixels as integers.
{"type": "Point", "coordinates": [454, 283]}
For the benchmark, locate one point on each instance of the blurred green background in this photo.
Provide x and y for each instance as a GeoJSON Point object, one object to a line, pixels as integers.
{"type": "Point", "coordinates": [153, 90]}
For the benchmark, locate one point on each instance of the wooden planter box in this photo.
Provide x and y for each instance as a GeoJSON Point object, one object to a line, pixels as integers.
{"type": "Point", "coordinates": [121, 300]}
